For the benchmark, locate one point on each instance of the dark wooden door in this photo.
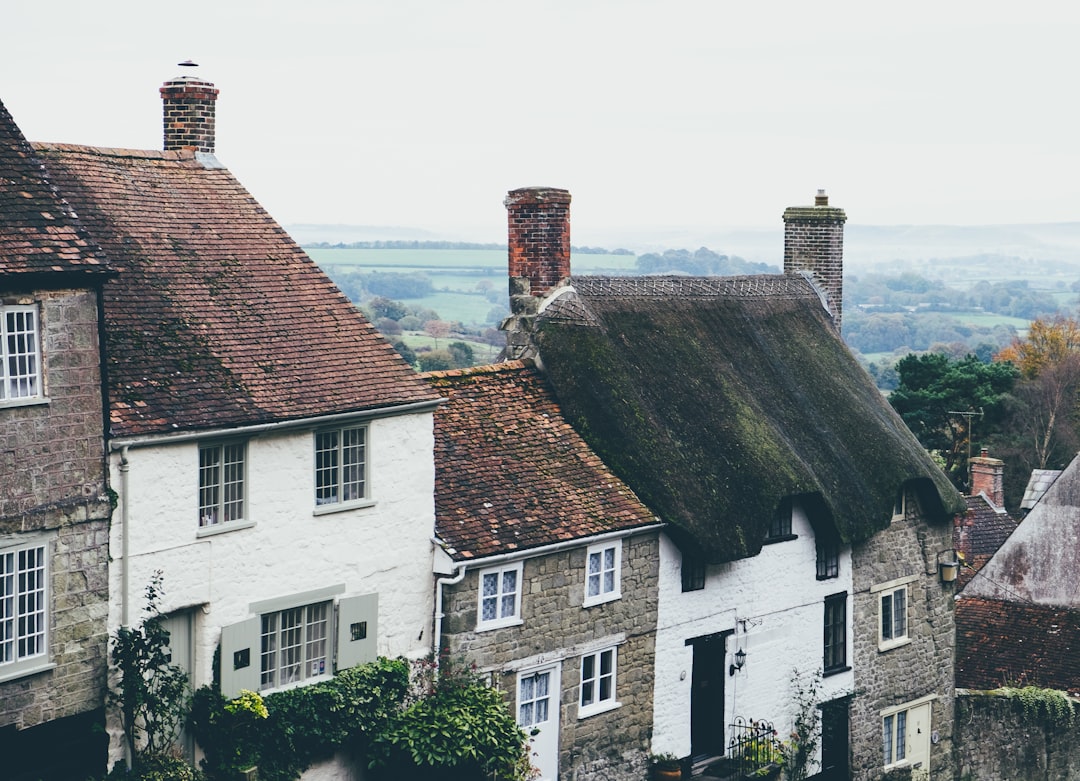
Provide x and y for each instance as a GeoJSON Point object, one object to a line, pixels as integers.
{"type": "Point", "coordinates": [707, 695]}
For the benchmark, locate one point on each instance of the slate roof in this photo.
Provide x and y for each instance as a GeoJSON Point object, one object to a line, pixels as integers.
{"type": "Point", "coordinates": [983, 530]}
{"type": "Point", "coordinates": [717, 398]}
{"type": "Point", "coordinates": [511, 474]}
{"type": "Point", "coordinates": [1039, 563]}
{"type": "Point", "coordinates": [39, 233]}
{"type": "Point", "coordinates": [217, 318]}
{"type": "Point", "coordinates": [999, 643]}
{"type": "Point", "coordinates": [1040, 480]}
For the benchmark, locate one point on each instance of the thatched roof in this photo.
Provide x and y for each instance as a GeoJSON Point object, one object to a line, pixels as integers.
{"type": "Point", "coordinates": [715, 399]}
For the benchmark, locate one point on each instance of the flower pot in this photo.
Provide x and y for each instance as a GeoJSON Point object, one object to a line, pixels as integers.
{"type": "Point", "coordinates": [666, 773]}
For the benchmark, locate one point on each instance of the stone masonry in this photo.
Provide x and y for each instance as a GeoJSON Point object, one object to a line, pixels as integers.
{"type": "Point", "coordinates": [920, 668]}
{"type": "Point", "coordinates": [54, 489]}
{"type": "Point", "coordinates": [607, 745]}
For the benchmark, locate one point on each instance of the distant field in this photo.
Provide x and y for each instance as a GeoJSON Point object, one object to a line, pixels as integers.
{"type": "Point", "coordinates": [990, 320]}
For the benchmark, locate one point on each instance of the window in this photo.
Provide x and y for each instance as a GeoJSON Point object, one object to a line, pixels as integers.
{"type": "Point", "coordinates": [341, 465]}
{"type": "Point", "coordinates": [20, 357]}
{"type": "Point", "coordinates": [597, 682]}
{"type": "Point", "coordinates": [221, 483]}
{"type": "Point", "coordinates": [23, 608]}
{"type": "Point", "coordinates": [835, 656]}
{"type": "Point", "coordinates": [780, 525]}
{"type": "Point", "coordinates": [294, 645]}
{"type": "Point", "coordinates": [602, 573]}
{"type": "Point", "coordinates": [894, 616]}
{"type": "Point", "coordinates": [828, 560]}
{"type": "Point", "coordinates": [899, 504]}
{"type": "Point", "coordinates": [500, 597]}
{"type": "Point", "coordinates": [693, 572]}
{"type": "Point", "coordinates": [894, 737]}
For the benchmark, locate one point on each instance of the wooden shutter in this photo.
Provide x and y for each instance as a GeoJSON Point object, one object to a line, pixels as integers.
{"type": "Point", "coordinates": [357, 630]}
{"type": "Point", "coordinates": [240, 661]}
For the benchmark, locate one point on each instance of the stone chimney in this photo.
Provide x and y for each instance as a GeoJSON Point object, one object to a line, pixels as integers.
{"type": "Point", "coordinates": [988, 477]}
{"type": "Point", "coordinates": [814, 243]}
{"type": "Point", "coordinates": [539, 258]}
{"type": "Point", "coordinates": [189, 112]}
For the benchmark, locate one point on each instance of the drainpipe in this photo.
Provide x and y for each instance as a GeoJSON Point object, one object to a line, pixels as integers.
{"type": "Point", "coordinates": [124, 536]}
{"type": "Point", "coordinates": [439, 615]}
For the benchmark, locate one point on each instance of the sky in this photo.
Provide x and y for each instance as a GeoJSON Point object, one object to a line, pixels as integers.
{"type": "Point", "coordinates": [657, 115]}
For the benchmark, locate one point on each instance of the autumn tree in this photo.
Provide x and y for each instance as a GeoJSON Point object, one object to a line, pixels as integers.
{"type": "Point", "coordinates": [437, 329]}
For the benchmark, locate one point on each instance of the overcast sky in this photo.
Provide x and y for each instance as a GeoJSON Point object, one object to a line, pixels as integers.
{"type": "Point", "coordinates": [653, 113]}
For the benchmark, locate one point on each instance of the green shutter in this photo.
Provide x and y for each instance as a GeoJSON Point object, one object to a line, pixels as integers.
{"type": "Point", "coordinates": [357, 632]}
{"type": "Point", "coordinates": [240, 660]}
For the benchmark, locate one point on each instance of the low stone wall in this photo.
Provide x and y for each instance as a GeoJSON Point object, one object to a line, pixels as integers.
{"type": "Point", "coordinates": [995, 740]}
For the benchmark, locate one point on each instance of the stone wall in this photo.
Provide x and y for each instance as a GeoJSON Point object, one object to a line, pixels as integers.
{"type": "Point", "coordinates": [556, 628]}
{"type": "Point", "coordinates": [996, 741]}
{"type": "Point", "coordinates": [919, 668]}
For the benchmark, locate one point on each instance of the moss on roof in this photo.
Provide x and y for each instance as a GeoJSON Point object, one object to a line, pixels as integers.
{"type": "Point", "coordinates": [716, 399]}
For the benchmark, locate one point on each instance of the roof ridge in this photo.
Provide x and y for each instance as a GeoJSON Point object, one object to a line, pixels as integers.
{"type": "Point", "coordinates": [106, 151]}
{"type": "Point", "coordinates": [486, 368]}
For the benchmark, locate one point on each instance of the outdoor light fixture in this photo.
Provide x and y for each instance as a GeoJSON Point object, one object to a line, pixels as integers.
{"type": "Point", "coordinates": [740, 660]}
{"type": "Point", "coordinates": [948, 565]}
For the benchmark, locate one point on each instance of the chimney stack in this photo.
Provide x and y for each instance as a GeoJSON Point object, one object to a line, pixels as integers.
{"type": "Point", "coordinates": [988, 477]}
{"type": "Point", "coordinates": [814, 242]}
{"type": "Point", "coordinates": [189, 107]}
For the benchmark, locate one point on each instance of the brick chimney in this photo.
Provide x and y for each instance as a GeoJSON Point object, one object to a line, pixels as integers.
{"type": "Point", "coordinates": [988, 477]}
{"type": "Point", "coordinates": [189, 112]}
{"type": "Point", "coordinates": [539, 259]}
{"type": "Point", "coordinates": [814, 242]}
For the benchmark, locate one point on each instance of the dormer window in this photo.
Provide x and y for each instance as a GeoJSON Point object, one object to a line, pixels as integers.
{"type": "Point", "coordinates": [780, 526]}
{"type": "Point", "coordinates": [899, 505]}
{"type": "Point", "coordinates": [828, 559]}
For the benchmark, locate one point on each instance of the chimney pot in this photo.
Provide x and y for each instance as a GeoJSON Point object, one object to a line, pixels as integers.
{"type": "Point", "coordinates": [821, 199]}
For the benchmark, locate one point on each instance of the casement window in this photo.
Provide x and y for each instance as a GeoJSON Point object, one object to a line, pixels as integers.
{"type": "Point", "coordinates": [894, 737]}
{"type": "Point", "coordinates": [893, 611]}
{"type": "Point", "coordinates": [693, 572]}
{"type": "Point", "coordinates": [828, 559]}
{"type": "Point", "coordinates": [899, 505]}
{"type": "Point", "coordinates": [20, 354]}
{"type": "Point", "coordinates": [221, 483]}
{"type": "Point", "coordinates": [341, 466]}
{"type": "Point", "coordinates": [780, 525]}
{"type": "Point", "coordinates": [597, 682]}
{"type": "Point", "coordinates": [500, 597]}
{"type": "Point", "coordinates": [835, 645]}
{"type": "Point", "coordinates": [24, 608]}
{"type": "Point", "coordinates": [293, 640]}
{"type": "Point", "coordinates": [602, 569]}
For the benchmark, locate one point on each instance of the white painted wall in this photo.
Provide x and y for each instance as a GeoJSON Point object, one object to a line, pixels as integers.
{"type": "Point", "coordinates": [776, 605]}
{"type": "Point", "coordinates": [385, 548]}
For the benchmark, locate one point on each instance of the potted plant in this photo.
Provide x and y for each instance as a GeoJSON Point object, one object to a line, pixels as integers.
{"type": "Point", "coordinates": [665, 766]}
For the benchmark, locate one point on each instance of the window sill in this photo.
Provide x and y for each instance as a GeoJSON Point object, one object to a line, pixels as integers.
{"type": "Point", "coordinates": [888, 645]}
{"type": "Point", "coordinates": [596, 710]}
{"type": "Point", "coordinates": [23, 672]}
{"type": "Point", "coordinates": [297, 684]}
{"type": "Point", "coordinates": [33, 401]}
{"type": "Point", "coordinates": [223, 528]}
{"type": "Point", "coordinates": [835, 671]}
{"type": "Point", "coordinates": [601, 599]}
{"type": "Point", "coordinates": [489, 625]}
{"type": "Point", "coordinates": [340, 507]}
{"type": "Point", "coordinates": [781, 538]}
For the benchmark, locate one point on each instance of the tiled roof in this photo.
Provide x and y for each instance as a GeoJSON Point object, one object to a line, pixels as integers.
{"type": "Point", "coordinates": [38, 231]}
{"type": "Point", "coordinates": [217, 318]}
{"type": "Point", "coordinates": [717, 398]}
{"type": "Point", "coordinates": [999, 643]}
{"type": "Point", "coordinates": [510, 472]}
{"type": "Point", "coordinates": [981, 531]}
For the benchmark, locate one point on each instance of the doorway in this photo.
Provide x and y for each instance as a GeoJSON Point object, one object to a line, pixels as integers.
{"type": "Point", "coordinates": [707, 694]}
{"type": "Point", "coordinates": [181, 653]}
{"type": "Point", "coordinates": [538, 715]}
{"type": "Point", "coordinates": [834, 740]}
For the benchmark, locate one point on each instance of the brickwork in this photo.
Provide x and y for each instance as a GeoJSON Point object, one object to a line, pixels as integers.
{"type": "Point", "coordinates": [189, 114]}
{"type": "Point", "coordinates": [988, 477]}
{"type": "Point", "coordinates": [996, 741]}
{"type": "Point", "coordinates": [556, 627]}
{"type": "Point", "coordinates": [54, 489]}
{"type": "Point", "coordinates": [814, 242]}
{"type": "Point", "coordinates": [922, 667]}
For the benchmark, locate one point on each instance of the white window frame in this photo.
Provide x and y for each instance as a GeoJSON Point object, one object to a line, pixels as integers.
{"type": "Point", "coordinates": [887, 596]}
{"type": "Point", "coordinates": [334, 488]}
{"type": "Point", "coordinates": [25, 606]}
{"type": "Point", "coordinates": [597, 689]}
{"type": "Point", "coordinates": [21, 380]}
{"type": "Point", "coordinates": [891, 720]}
{"type": "Point", "coordinates": [296, 645]}
{"type": "Point", "coordinates": [602, 574]}
{"type": "Point", "coordinates": [502, 617]}
{"type": "Point", "coordinates": [900, 504]}
{"type": "Point", "coordinates": [219, 512]}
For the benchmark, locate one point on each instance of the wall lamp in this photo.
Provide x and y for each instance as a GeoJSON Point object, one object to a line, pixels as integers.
{"type": "Point", "coordinates": [740, 660]}
{"type": "Point", "coordinates": [948, 565]}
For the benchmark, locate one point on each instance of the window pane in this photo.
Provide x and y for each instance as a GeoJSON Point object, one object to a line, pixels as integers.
{"type": "Point", "coordinates": [7, 607]}
{"type": "Point", "coordinates": [901, 735]}
{"type": "Point", "coordinates": [353, 463]}
{"type": "Point", "coordinates": [269, 651]}
{"type": "Point", "coordinates": [209, 485]}
{"type": "Point", "coordinates": [290, 654]}
{"type": "Point", "coordinates": [30, 630]}
{"type": "Point", "coordinates": [587, 692]}
{"type": "Point", "coordinates": [525, 714]}
{"type": "Point", "coordinates": [326, 467]}
{"type": "Point", "coordinates": [899, 613]}
{"type": "Point", "coordinates": [886, 618]}
{"type": "Point", "coordinates": [316, 639]}
{"type": "Point", "coordinates": [233, 483]}
{"type": "Point", "coordinates": [887, 737]}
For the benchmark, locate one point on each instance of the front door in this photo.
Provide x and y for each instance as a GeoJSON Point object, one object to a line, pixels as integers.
{"type": "Point", "coordinates": [538, 715]}
{"type": "Point", "coordinates": [707, 695]}
{"type": "Point", "coordinates": [834, 740]}
{"type": "Point", "coordinates": [918, 740]}
{"type": "Point", "coordinates": [181, 650]}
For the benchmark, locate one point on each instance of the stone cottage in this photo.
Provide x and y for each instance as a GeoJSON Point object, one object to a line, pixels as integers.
{"type": "Point", "coordinates": [549, 572]}
{"type": "Point", "coordinates": [54, 507]}
{"type": "Point", "coordinates": [803, 520]}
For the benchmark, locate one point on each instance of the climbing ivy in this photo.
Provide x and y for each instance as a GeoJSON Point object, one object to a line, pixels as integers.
{"type": "Point", "coordinates": [1054, 706]}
